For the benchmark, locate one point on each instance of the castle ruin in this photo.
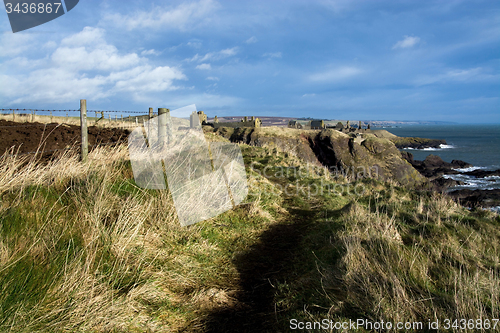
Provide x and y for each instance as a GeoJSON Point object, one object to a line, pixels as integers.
{"type": "Point", "coordinates": [244, 122]}
{"type": "Point", "coordinates": [313, 124]}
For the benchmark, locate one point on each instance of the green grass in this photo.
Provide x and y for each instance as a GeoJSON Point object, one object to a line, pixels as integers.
{"type": "Point", "coordinates": [83, 249]}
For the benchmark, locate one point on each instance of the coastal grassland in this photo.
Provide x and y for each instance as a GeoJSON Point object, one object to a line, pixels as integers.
{"type": "Point", "coordinates": [399, 257]}
{"type": "Point", "coordinates": [83, 249]}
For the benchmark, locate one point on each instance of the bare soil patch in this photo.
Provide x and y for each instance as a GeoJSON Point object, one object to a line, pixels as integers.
{"type": "Point", "coordinates": [26, 138]}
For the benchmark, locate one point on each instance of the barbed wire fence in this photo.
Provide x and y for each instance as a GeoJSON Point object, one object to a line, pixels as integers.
{"type": "Point", "coordinates": [50, 119]}
{"type": "Point", "coordinates": [105, 118]}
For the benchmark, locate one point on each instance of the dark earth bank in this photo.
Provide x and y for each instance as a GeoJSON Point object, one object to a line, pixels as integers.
{"type": "Point", "coordinates": [53, 138]}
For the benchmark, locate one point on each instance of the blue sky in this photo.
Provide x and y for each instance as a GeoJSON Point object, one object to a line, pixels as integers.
{"type": "Point", "coordinates": [339, 59]}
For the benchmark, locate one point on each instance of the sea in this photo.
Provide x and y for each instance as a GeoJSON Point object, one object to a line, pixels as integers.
{"type": "Point", "coordinates": [478, 145]}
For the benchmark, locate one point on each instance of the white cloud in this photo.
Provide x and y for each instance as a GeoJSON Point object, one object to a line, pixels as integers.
{"type": "Point", "coordinates": [271, 55]}
{"type": "Point", "coordinates": [84, 65]}
{"type": "Point", "coordinates": [150, 52]}
{"type": "Point", "coordinates": [336, 74]}
{"type": "Point", "coordinates": [308, 95]}
{"type": "Point", "coordinates": [22, 63]}
{"type": "Point", "coordinates": [50, 45]}
{"type": "Point", "coordinates": [88, 50]}
{"type": "Point", "coordinates": [337, 6]}
{"type": "Point", "coordinates": [458, 75]}
{"type": "Point", "coordinates": [212, 78]}
{"type": "Point", "coordinates": [185, 16]}
{"type": "Point", "coordinates": [56, 85]}
{"type": "Point", "coordinates": [212, 56]}
{"type": "Point", "coordinates": [89, 36]}
{"type": "Point", "coordinates": [408, 41]}
{"type": "Point", "coordinates": [149, 79]}
{"type": "Point", "coordinates": [183, 112]}
{"type": "Point", "coordinates": [251, 40]}
{"type": "Point", "coordinates": [204, 67]}
{"type": "Point", "coordinates": [205, 100]}
{"type": "Point", "coordinates": [81, 58]}
{"type": "Point", "coordinates": [15, 44]}
{"type": "Point", "coordinates": [195, 43]}
{"type": "Point", "coordinates": [228, 52]}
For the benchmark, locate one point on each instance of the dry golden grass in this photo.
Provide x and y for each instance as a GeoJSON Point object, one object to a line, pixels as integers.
{"type": "Point", "coordinates": [440, 275]}
{"type": "Point", "coordinates": [95, 253]}
{"type": "Point", "coordinates": [117, 258]}
{"type": "Point", "coordinates": [20, 171]}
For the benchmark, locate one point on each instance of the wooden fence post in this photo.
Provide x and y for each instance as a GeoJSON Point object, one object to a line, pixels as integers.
{"type": "Point", "coordinates": [149, 123]}
{"type": "Point", "coordinates": [83, 125]}
{"type": "Point", "coordinates": [50, 116]}
{"type": "Point", "coordinates": [162, 126]}
{"type": "Point", "coordinates": [13, 115]}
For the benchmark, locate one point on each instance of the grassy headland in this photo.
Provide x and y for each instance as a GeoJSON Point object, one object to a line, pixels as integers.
{"type": "Point", "coordinates": [83, 249]}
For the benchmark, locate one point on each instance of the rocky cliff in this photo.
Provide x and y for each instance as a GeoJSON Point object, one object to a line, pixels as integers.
{"type": "Point", "coordinates": [417, 143]}
{"type": "Point", "coordinates": [367, 157]}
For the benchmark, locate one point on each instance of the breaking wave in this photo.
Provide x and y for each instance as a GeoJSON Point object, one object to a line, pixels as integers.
{"type": "Point", "coordinates": [441, 147]}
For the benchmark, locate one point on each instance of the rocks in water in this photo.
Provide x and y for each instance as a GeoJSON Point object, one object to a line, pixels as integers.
{"type": "Point", "coordinates": [433, 166]}
{"type": "Point", "coordinates": [460, 164]}
{"type": "Point", "coordinates": [477, 198]}
{"type": "Point", "coordinates": [443, 183]}
{"type": "Point", "coordinates": [482, 173]}
{"type": "Point", "coordinates": [417, 143]}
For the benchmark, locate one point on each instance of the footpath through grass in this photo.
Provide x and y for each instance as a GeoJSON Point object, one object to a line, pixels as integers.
{"type": "Point", "coordinates": [83, 249]}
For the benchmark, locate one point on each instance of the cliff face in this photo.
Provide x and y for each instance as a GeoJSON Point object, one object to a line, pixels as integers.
{"type": "Point", "coordinates": [372, 158]}
{"type": "Point", "coordinates": [417, 143]}
{"type": "Point", "coordinates": [369, 158]}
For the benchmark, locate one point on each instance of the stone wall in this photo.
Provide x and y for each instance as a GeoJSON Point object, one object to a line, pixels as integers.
{"type": "Point", "coordinates": [244, 122]}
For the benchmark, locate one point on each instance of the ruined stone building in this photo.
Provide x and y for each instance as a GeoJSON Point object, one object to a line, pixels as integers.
{"type": "Point", "coordinates": [295, 124]}
{"type": "Point", "coordinates": [244, 122]}
{"type": "Point", "coordinates": [317, 124]}
{"type": "Point", "coordinates": [313, 124]}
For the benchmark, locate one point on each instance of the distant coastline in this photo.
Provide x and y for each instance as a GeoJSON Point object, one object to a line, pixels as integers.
{"type": "Point", "coordinates": [283, 121]}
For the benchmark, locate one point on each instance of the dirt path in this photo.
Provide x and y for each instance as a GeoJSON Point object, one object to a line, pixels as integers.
{"type": "Point", "coordinates": [270, 260]}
